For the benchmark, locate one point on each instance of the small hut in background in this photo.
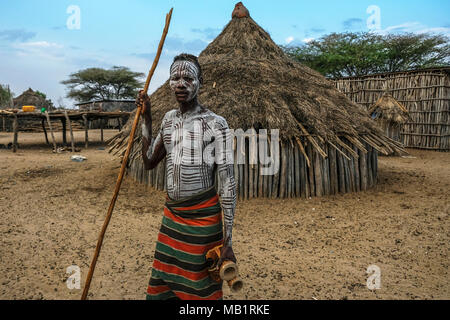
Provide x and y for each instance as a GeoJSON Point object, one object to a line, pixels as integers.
{"type": "Point", "coordinates": [32, 98]}
{"type": "Point", "coordinates": [390, 115]}
{"type": "Point", "coordinates": [27, 98]}
{"type": "Point", "coordinates": [328, 144]}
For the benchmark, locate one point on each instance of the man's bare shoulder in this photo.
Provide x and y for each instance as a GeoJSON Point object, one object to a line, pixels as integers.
{"type": "Point", "coordinates": [170, 114]}
{"type": "Point", "coordinates": [212, 116]}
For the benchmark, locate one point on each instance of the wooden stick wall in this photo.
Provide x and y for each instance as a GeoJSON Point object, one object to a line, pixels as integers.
{"type": "Point", "coordinates": [425, 94]}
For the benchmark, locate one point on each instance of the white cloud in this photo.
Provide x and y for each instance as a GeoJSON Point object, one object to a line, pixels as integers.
{"type": "Point", "coordinates": [289, 39]}
{"type": "Point", "coordinates": [308, 40]}
{"type": "Point", "coordinates": [41, 44]}
{"type": "Point", "coordinates": [413, 27]}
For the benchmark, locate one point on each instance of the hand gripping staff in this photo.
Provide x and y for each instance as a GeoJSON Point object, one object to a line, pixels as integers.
{"type": "Point", "coordinates": [124, 161]}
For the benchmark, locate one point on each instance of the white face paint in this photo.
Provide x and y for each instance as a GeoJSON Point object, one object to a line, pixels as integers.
{"type": "Point", "coordinates": [184, 77]}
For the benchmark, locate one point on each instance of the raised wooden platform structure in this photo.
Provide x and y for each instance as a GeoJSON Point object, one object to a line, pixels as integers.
{"type": "Point", "coordinates": [65, 117]}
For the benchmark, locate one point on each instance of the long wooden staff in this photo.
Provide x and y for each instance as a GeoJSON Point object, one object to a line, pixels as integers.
{"type": "Point", "coordinates": [124, 161]}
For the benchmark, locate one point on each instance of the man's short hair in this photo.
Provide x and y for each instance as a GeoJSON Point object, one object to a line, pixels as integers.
{"type": "Point", "coordinates": [190, 58]}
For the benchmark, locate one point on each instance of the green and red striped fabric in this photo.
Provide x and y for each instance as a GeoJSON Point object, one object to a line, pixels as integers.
{"type": "Point", "coordinates": [189, 229]}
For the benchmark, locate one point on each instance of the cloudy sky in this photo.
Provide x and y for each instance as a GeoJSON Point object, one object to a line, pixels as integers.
{"type": "Point", "coordinates": [43, 41]}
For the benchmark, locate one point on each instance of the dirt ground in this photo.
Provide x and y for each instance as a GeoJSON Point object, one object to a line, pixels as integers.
{"type": "Point", "coordinates": [52, 210]}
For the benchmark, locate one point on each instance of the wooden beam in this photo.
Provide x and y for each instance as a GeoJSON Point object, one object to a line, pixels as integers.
{"type": "Point", "coordinates": [311, 139]}
{"type": "Point", "coordinates": [302, 149]}
{"type": "Point", "coordinates": [339, 150]}
{"type": "Point", "coordinates": [356, 142]}
{"type": "Point", "coordinates": [347, 147]}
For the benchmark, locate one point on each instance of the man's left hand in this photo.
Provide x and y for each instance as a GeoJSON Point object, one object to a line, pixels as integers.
{"type": "Point", "coordinates": [226, 253]}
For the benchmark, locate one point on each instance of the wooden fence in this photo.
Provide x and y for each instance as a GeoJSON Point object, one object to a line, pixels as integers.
{"type": "Point", "coordinates": [426, 95]}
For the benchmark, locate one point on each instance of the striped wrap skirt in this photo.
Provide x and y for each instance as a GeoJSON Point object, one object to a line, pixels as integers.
{"type": "Point", "coordinates": [190, 227]}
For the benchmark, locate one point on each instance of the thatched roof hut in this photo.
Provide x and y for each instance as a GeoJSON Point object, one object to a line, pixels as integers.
{"type": "Point", "coordinates": [328, 143]}
{"type": "Point", "coordinates": [388, 109]}
{"type": "Point", "coordinates": [390, 114]}
{"type": "Point", "coordinates": [31, 98]}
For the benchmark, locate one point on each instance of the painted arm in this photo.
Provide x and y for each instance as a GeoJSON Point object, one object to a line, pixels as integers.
{"type": "Point", "coordinates": [152, 152]}
{"type": "Point", "coordinates": [227, 191]}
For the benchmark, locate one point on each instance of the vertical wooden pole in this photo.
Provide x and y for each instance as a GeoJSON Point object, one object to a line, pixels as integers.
{"type": "Point", "coordinates": [297, 160]}
{"type": "Point", "coordinates": [318, 174]}
{"type": "Point", "coordinates": [266, 186]}
{"type": "Point", "coordinates": [375, 164]}
{"type": "Point", "coordinates": [341, 172]}
{"type": "Point", "coordinates": [283, 171]}
{"type": "Point", "coordinates": [346, 173]}
{"type": "Point", "coordinates": [45, 131]}
{"type": "Point", "coordinates": [250, 169]}
{"type": "Point", "coordinates": [334, 184]}
{"type": "Point", "coordinates": [276, 177]}
{"type": "Point", "coordinates": [86, 129]}
{"type": "Point", "coordinates": [235, 165]}
{"type": "Point", "coordinates": [156, 176]}
{"type": "Point", "coordinates": [64, 137]}
{"type": "Point", "coordinates": [161, 174]}
{"type": "Point", "coordinates": [16, 133]}
{"type": "Point", "coordinates": [51, 130]}
{"type": "Point", "coordinates": [256, 175]}
{"type": "Point", "coordinates": [269, 186]}
{"type": "Point", "coordinates": [309, 152]}
{"type": "Point", "coordinates": [101, 129]}
{"type": "Point", "coordinates": [241, 181]}
{"type": "Point", "coordinates": [292, 169]}
{"type": "Point", "coordinates": [72, 142]}
{"type": "Point", "coordinates": [369, 168]}
{"type": "Point", "coordinates": [260, 168]}
{"type": "Point", "coordinates": [326, 174]}
{"type": "Point", "coordinates": [356, 173]}
{"type": "Point", "coordinates": [246, 162]}
{"type": "Point", "coordinates": [302, 173]}
{"type": "Point", "coordinates": [363, 170]}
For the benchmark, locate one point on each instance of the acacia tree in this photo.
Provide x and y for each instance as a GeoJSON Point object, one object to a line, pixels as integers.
{"type": "Point", "coordinates": [98, 83]}
{"type": "Point", "coordinates": [356, 54]}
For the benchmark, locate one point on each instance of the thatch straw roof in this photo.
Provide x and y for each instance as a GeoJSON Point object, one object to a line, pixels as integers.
{"type": "Point", "coordinates": [250, 81]}
{"type": "Point", "coordinates": [31, 98]}
{"type": "Point", "coordinates": [390, 110]}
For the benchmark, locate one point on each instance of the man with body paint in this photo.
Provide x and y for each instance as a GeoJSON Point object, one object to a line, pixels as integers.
{"type": "Point", "coordinates": [196, 144]}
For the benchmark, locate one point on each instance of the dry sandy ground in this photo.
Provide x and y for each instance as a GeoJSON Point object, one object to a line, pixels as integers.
{"type": "Point", "coordinates": [52, 209]}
